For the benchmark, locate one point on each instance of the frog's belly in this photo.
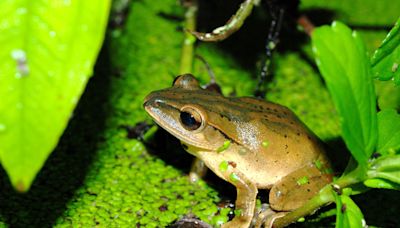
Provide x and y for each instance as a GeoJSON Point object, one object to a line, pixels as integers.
{"type": "Point", "coordinates": [264, 171]}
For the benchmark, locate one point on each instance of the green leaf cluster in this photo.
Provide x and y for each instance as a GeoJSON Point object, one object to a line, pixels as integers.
{"type": "Point", "coordinates": [372, 137]}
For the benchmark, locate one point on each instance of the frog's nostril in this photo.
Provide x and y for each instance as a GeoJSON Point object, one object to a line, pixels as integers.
{"type": "Point", "coordinates": [152, 102]}
{"type": "Point", "coordinates": [146, 102]}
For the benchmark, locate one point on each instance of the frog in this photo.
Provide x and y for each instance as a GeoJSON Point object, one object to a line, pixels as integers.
{"type": "Point", "coordinates": [249, 142]}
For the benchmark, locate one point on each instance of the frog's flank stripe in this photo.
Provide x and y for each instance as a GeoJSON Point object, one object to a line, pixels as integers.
{"type": "Point", "coordinates": [203, 96]}
{"type": "Point", "coordinates": [274, 117]}
{"type": "Point", "coordinates": [239, 109]}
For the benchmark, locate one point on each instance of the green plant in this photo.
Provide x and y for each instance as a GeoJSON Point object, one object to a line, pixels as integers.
{"type": "Point", "coordinates": [372, 137]}
{"type": "Point", "coordinates": [46, 58]}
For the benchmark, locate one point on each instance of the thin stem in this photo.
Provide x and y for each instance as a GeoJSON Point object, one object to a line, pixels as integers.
{"type": "Point", "coordinates": [231, 26]}
{"type": "Point", "coordinates": [189, 40]}
{"type": "Point", "coordinates": [277, 13]}
{"type": "Point", "coordinates": [354, 176]}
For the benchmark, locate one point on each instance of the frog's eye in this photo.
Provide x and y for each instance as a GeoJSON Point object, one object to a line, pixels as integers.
{"type": "Point", "coordinates": [186, 81]}
{"type": "Point", "coordinates": [191, 119]}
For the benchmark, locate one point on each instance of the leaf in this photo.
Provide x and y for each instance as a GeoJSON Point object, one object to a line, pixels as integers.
{"type": "Point", "coordinates": [386, 59]}
{"type": "Point", "coordinates": [342, 61]}
{"type": "Point", "coordinates": [386, 167]}
{"type": "Point", "coordinates": [389, 132]}
{"type": "Point", "coordinates": [48, 49]}
{"type": "Point", "coordinates": [388, 95]}
{"type": "Point", "coordinates": [347, 213]}
{"type": "Point", "coordinates": [381, 183]}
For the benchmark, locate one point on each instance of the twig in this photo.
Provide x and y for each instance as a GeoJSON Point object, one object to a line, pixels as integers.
{"type": "Point", "coordinates": [189, 40]}
{"type": "Point", "coordinates": [233, 24]}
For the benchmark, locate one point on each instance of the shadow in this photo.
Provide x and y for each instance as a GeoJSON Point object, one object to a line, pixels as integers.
{"type": "Point", "coordinates": [165, 146]}
{"type": "Point", "coordinates": [380, 207]}
{"type": "Point", "coordinates": [320, 16]}
{"type": "Point", "coordinates": [338, 154]}
{"type": "Point", "coordinates": [66, 167]}
{"type": "Point", "coordinates": [247, 46]}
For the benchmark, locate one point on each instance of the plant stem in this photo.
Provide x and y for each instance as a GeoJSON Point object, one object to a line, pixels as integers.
{"type": "Point", "coordinates": [233, 24]}
{"type": "Point", "coordinates": [189, 40]}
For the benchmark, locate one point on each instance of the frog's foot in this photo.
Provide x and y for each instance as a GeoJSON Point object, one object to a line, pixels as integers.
{"type": "Point", "coordinates": [269, 218]}
{"type": "Point", "coordinates": [233, 24]}
{"type": "Point", "coordinates": [197, 171]}
{"type": "Point", "coordinates": [239, 222]}
{"type": "Point", "coordinates": [266, 216]}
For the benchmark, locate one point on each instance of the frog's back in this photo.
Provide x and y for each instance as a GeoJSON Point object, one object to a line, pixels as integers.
{"type": "Point", "coordinates": [276, 141]}
{"type": "Point", "coordinates": [272, 141]}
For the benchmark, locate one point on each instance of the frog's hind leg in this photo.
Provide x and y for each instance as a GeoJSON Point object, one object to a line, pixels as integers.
{"type": "Point", "coordinates": [295, 189]}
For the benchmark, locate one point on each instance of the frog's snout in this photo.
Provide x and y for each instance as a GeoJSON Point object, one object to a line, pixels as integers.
{"type": "Point", "coordinates": [151, 101]}
{"type": "Point", "coordinates": [146, 101]}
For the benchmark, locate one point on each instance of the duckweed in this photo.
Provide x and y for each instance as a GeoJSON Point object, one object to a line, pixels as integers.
{"type": "Point", "coordinates": [318, 164]}
{"type": "Point", "coordinates": [302, 219]}
{"type": "Point", "coordinates": [97, 177]}
{"type": "Point", "coordinates": [223, 166]}
{"type": "Point", "coordinates": [303, 180]}
{"type": "Point", "coordinates": [233, 177]}
{"type": "Point", "coordinates": [237, 212]}
{"type": "Point", "coordinates": [224, 146]}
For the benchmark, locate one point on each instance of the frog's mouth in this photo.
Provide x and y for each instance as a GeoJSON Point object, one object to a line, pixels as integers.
{"type": "Point", "coordinates": [167, 117]}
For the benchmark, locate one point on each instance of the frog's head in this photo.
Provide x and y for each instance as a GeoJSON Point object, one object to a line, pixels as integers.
{"type": "Point", "coordinates": [184, 111]}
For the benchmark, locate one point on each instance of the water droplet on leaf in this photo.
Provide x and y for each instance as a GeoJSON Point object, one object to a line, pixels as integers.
{"type": "Point", "coordinates": [2, 127]}
{"type": "Point", "coordinates": [52, 34]}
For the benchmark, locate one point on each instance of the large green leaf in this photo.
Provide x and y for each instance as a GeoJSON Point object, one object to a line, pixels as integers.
{"type": "Point", "coordinates": [47, 53]}
{"type": "Point", "coordinates": [389, 131]}
{"type": "Point", "coordinates": [342, 61]}
{"type": "Point", "coordinates": [386, 59]}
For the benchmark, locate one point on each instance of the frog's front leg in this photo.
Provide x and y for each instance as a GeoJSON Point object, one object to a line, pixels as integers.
{"type": "Point", "coordinates": [198, 170]}
{"type": "Point", "coordinates": [245, 199]}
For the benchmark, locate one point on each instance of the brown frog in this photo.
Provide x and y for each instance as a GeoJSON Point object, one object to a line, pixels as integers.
{"type": "Point", "coordinates": [249, 142]}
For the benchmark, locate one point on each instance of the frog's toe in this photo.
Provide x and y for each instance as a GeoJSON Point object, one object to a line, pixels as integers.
{"type": "Point", "coordinates": [261, 215]}
{"type": "Point", "coordinates": [238, 222]}
{"type": "Point", "coordinates": [269, 218]}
